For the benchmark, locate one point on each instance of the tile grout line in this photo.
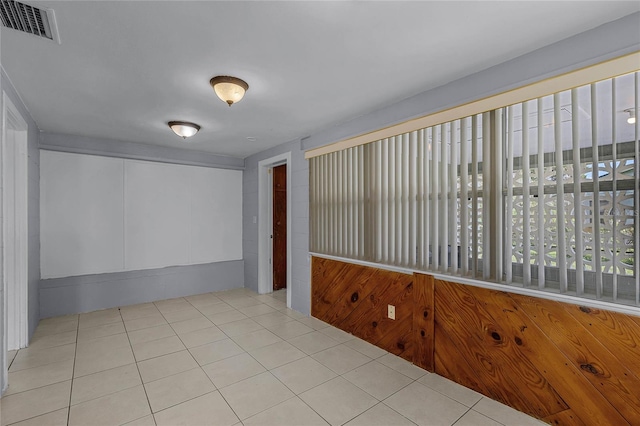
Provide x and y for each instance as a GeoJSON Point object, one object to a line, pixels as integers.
{"type": "Point", "coordinates": [205, 373]}
{"type": "Point", "coordinates": [390, 408]}
{"type": "Point", "coordinates": [295, 395]}
{"type": "Point", "coordinates": [298, 395]}
{"type": "Point", "coordinates": [73, 370]}
{"type": "Point", "coordinates": [482, 414]}
{"type": "Point", "coordinates": [266, 371]}
{"type": "Point", "coordinates": [138, 369]}
{"type": "Point", "coordinates": [380, 401]}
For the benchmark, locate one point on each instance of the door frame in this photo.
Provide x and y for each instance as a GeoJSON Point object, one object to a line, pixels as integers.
{"type": "Point", "coordinates": [265, 223]}
{"type": "Point", "coordinates": [16, 289]}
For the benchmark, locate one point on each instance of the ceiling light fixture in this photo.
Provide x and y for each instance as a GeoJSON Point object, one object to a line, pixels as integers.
{"type": "Point", "coordinates": [229, 89]}
{"type": "Point", "coordinates": [632, 115]}
{"type": "Point", "coordinates": [184, 129]}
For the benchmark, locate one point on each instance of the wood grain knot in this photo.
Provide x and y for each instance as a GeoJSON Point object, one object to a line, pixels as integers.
{"type": "Point", "coordinates": [495, 336]}
{"type": "Point", "coordinates": [400, 345]}
{"type": "Point", "coordinates": [585, 309]}
{"type": "Point", "coordinates": [354, 297]}
{"type": "Point", "coordinates": [590, 368]}
{"type": "Point", "coordinates": [425, 314]}
{"type": "Point", "coordinates": [374, 324]}
{"type": "Point", "coordinates": [518, 341]}
{"type": "Point", "coordinates": [422, 333]}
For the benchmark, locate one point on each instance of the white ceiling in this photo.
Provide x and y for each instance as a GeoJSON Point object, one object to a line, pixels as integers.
{"type": "Point", "coordinates": [124, 69]}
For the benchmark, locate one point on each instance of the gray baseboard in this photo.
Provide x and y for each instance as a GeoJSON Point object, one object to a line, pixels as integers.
{"type": "Point", "coordinates": [72, 295]}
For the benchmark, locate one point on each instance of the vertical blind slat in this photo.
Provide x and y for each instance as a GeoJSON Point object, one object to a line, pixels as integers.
{"type": "Point", "coordinates": [353, 202]}
{"type": "Point", "coordinates": [314, 198]}
{"type": "Point", "coordinates": [323, 203]}
{"type": "Point", "coordinates": [636, 202]}
{"type": "Point", "coordinates": [344, 204]}
{"type": "Point", "coordinates": [381, 222]}
{"type": "Point", "coordinates": [444, 194]}
{"type": "Point", "coordinates": [349, 199]}
{"type": "Point", "coordinates": [362, 206]}
{"type": "Point", "coordinates": [419, 201]}
{"type": "Point", "coordinates": [496, 164]}
{"type": "Point", "coordinates": [329, 209]}
{"type": "Point", "coordinates": [435, 202]}
{"type": "Point", "coordinates": [426, 212]}
{"type": "Point", "coordinates": [411, 222]}
{"type": "Point", "coordinates": [391, 182]}
{"type": "Point", "coordinates": [384, 201]}
{"type": "Point", "coordinates": [613, 209]}
{"type": "Point", "coordinates": [453, 196]}
{"type": "Point", "coordinates": [334, 204]}
{"type": "Point", "coordinates": [508, 254]}
{"type": "Point", "coordinates": [597, 249]}
{"type": "Point", "coordinates": [541, 199]}
{"type": "Point", "coordinates": [339, 210]}
{"type": "Point", "coordinates": [464, 197]}
{"type": "Point", "coordinates": [577, 194]}
{"type": "Point", "coordinates": [313, 220]}
{"type": "Point", "coordinates": [486, 196]}
{"type": "Point", "coordinates": [526, 201]}
{"type": "Point", "coordinates": [344, 207]}
{"type": "Point", "coordinates": [397, 201]}
{"type": "Point", "coordinates": [474, 194]}
{"type": "Point", "coordinates": [561, 259]}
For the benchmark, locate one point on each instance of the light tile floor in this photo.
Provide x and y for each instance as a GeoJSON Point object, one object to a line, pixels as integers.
{"type": "Point", "coordinates": [226, 358]}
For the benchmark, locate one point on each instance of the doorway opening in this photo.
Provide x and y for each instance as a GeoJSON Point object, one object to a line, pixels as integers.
{"type": "Point", "coordinates": [279, 226]}
{"type": "Point", "coordinates": [14, 184]}
{"type": "Point", "coordinates": [274, 239]}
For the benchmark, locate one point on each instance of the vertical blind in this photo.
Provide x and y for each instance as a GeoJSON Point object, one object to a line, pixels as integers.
{"type": "Point", "coordinates": [541, 194]}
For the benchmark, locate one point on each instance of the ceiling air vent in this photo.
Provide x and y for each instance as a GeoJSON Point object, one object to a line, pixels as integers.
{"type": "Point", "coordinates": [29, 19]}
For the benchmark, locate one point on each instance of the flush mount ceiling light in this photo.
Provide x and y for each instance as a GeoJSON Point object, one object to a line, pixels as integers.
{"type": "Point", "coordinates": [184, 129]}
{"type": "Point", "coordinates": [229, 89]}
{"type": "Point", "coordinates": [632, 115]}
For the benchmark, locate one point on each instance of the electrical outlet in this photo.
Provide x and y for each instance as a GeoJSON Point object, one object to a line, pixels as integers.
{"type": "Point", "coordinates": [391, 312]}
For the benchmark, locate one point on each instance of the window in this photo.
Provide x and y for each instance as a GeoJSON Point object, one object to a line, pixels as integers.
{"type": "Point", "coordinates": [580, 156]}
{"type": "Point", "coordinates": [541, 194]}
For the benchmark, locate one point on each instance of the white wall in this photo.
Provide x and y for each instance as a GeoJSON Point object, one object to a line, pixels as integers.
{"type": "Point", "coordinates": [33, 211]}
{"type": "Point", "coordinates": [101, 215]}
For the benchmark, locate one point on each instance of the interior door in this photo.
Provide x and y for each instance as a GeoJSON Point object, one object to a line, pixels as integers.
{"type": "Point", "coordinates": [279, 227]}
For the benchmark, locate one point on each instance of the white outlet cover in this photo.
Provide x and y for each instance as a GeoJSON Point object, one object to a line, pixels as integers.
{"type": "Point", "coordinates": [391, 312]}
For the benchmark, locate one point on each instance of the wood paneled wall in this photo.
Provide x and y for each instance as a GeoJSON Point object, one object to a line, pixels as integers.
{"type": "Point", "coordinates": [562, 363]}
{"type": "Point", "coordinates": [354, 298]}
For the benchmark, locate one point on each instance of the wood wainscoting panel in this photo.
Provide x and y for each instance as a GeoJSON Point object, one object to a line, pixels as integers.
{"type": "Point", "coordinates": [613, 375]}
{"type": "Point", "coordinates": [562, 363]}
{"type": "Point", "coordinates": [482, 341]}
{"type": "Point", "coordinates": [545, 371]}
{"type": "Point", "coordinates": [423, 321]}
{"type": "Point", "coordinates": [354, 298]}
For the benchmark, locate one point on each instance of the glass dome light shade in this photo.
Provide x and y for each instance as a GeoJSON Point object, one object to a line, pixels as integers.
{"type": "Point", "coordinates": [184, 129]}
{"type": "Point", "coordinates": [229, 89]}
